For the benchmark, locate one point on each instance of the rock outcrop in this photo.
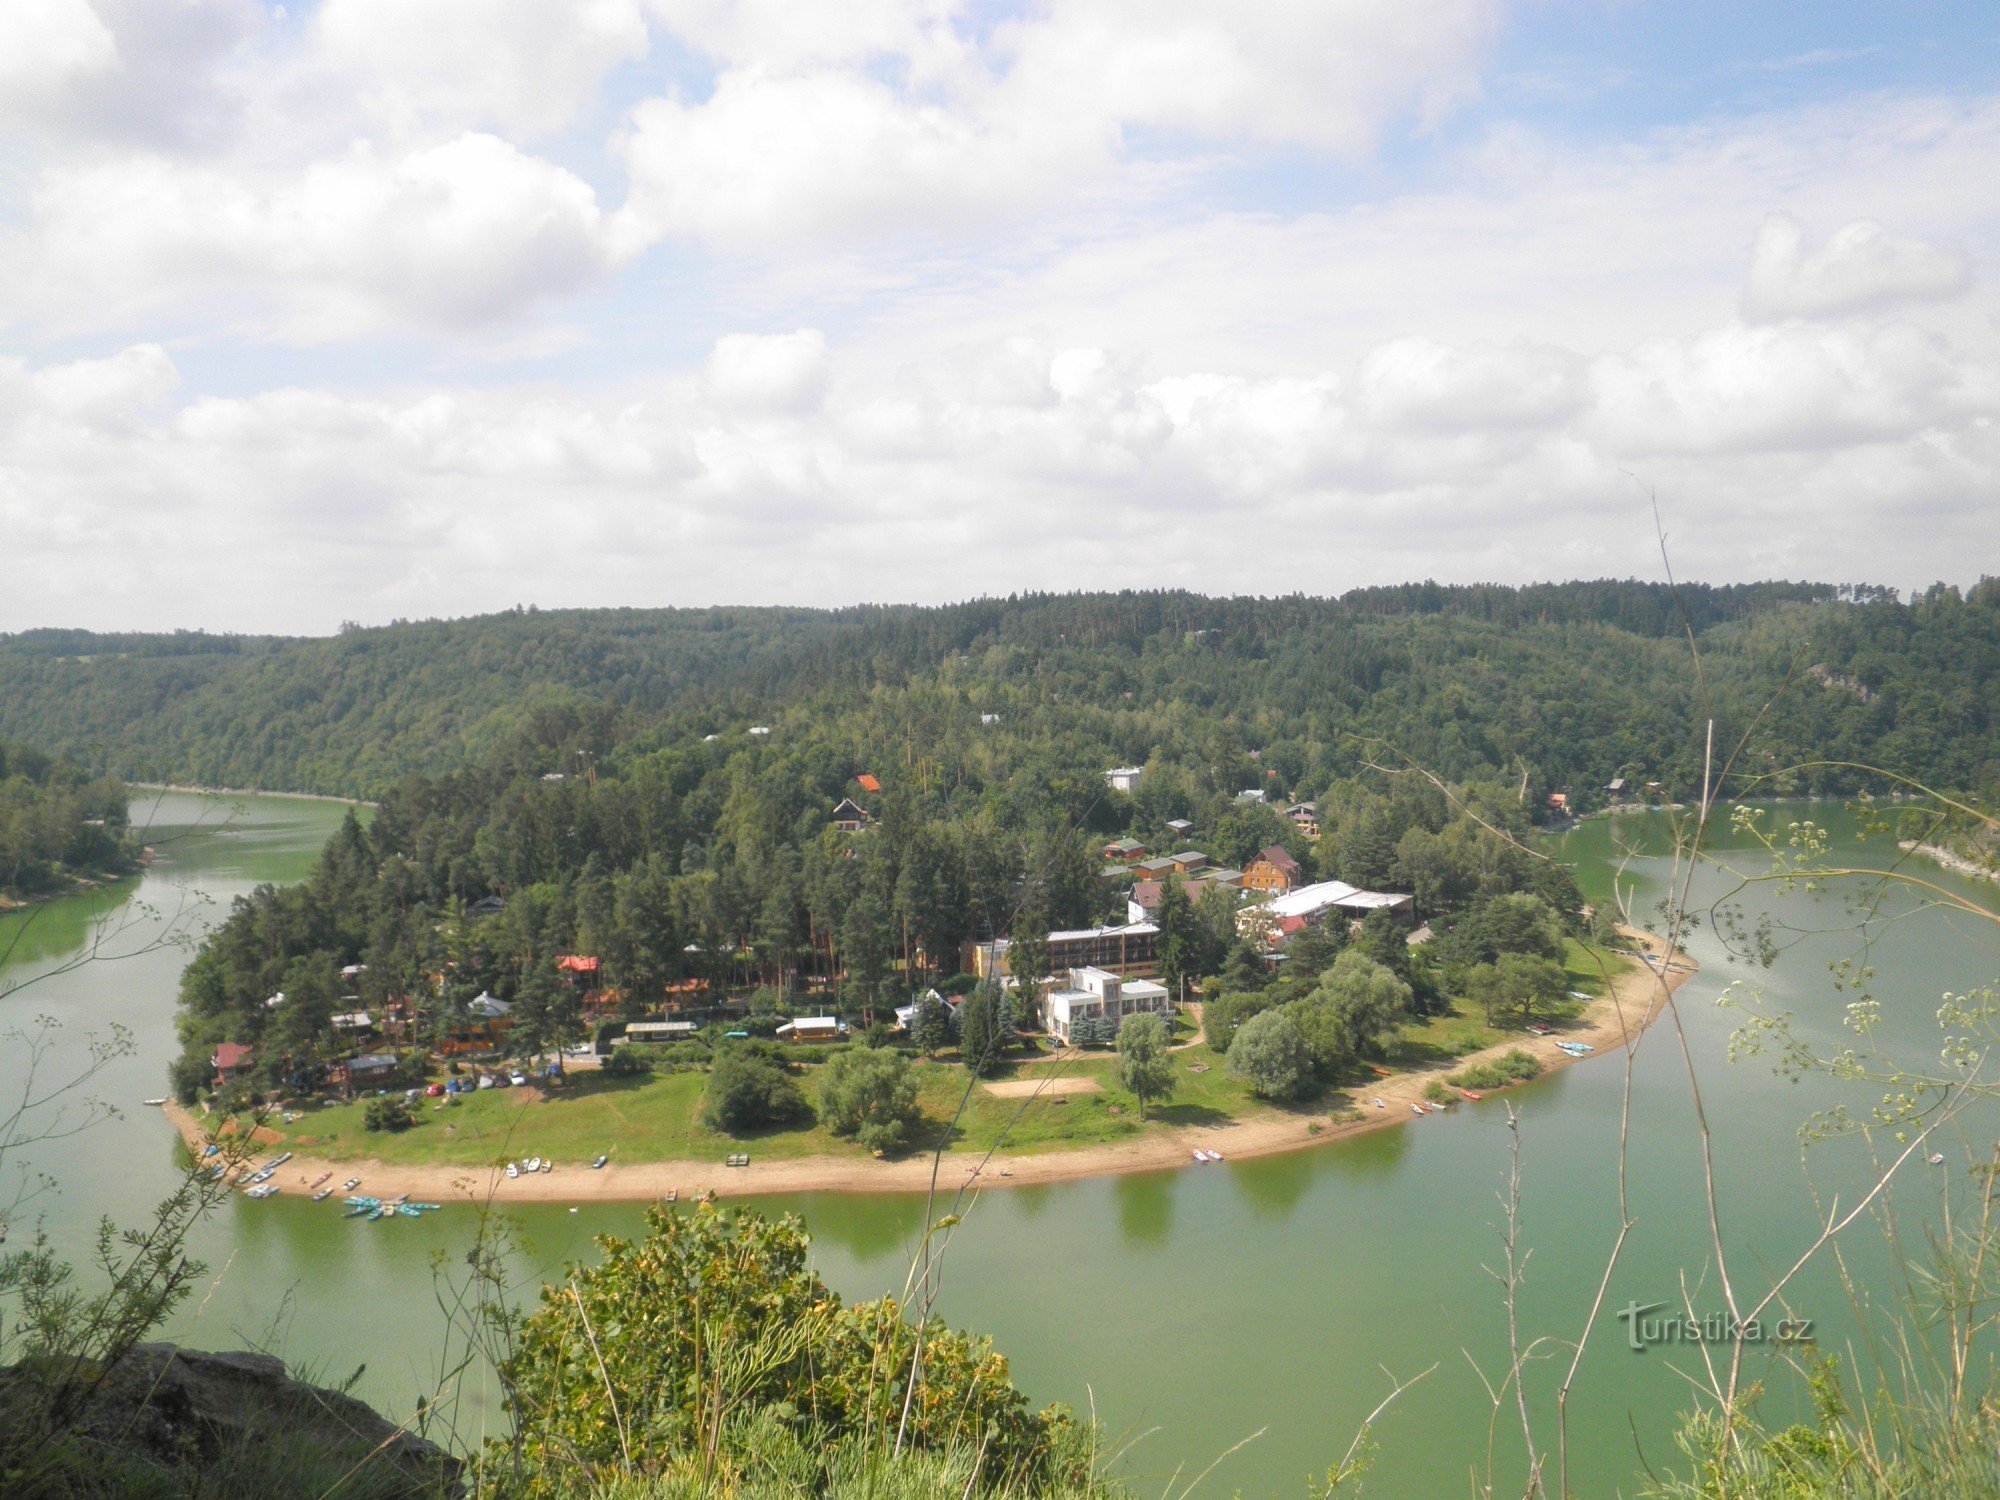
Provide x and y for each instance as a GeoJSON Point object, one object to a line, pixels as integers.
{"type": "Point", "coordinates": [192, 1412]}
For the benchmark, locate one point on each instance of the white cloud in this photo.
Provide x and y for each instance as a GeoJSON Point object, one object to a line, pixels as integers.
{"type": "Point", "coordinates": [1860, 267]}
{"type": "Point", "coordinates": [46, 46]}
{"type": "Point", "coordinates": [89, 70]}
{"type": "Point", "coordinates": [521, 64]}
{"type": "Point", "coordinates": [774, 474]}
{"type": "Point", "coordinates": [784, 34]}
{"type": "Point", "coordinates": [778, 372]}
{"type": "Point", "coordinates": [464, 233]}
{"type": "Point", "coordinates": [799, 143]}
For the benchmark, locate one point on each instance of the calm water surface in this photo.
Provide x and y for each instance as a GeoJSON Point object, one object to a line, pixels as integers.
{"type": "Point", "coordinates": [1188, 1309]}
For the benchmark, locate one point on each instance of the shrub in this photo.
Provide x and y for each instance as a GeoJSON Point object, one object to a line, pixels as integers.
{"type": "Point", "coordinates": [387, 1114]}
{"type": "Point", "coordinates": [628, 1061]}
{"type": "Point", "coordinates": [731, 1293]}
{"type": "Point", "coordinates": [751, 1093]}
{"type": "Point", "coordinates": [1512, 1066]}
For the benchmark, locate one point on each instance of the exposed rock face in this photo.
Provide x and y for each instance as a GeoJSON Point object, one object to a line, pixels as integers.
{"type": "Point", "coordinates": [186, 1410]}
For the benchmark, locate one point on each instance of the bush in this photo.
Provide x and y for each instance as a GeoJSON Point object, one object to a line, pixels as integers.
{"type": "Point", "coordinates": [717, 1290]}
{"type": "Point", "coordinates": [1512, 1066]}
{"type": "Point", "coordinates": [870, 1095]}
{"type": "Point", "coordinates": [959, 984]}
{"type": "Point", "coordinates": [629, 1061]}
{"type": "Point", "coordinates": [748, 1093]}
{"type": "Point", "coordinates": [387, 1114]}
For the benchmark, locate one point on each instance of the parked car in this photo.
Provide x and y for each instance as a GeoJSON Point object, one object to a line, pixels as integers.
{"type": "Point", "coordinates": [486, 1080]}
{"type": "Point", "coordinates": [517, 1077]}
{"type": "Point", "coordinates": [433, 1090]}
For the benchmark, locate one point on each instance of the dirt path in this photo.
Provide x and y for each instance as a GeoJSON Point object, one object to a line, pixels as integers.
{"type": "Point", "coordinates": [1609, 1024]}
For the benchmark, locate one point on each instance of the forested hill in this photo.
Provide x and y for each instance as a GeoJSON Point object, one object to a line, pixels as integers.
{"type": "Point", "coordinates": [1567, 684]}
{"type": "Point", "coordinates": [57, 825]}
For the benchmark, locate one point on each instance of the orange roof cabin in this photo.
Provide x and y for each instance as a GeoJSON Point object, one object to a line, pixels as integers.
{"type": "Point", "coordinates": [229, 1060]}
{"type": "Point", "coordinates": [1559, 802]}
{"type": "Point", "coordinates": [1272, 870]}
{"type": "Point", "coordinates": [850, 816]}
{"type": "Point", "coordinates": [579, 964]}
{"type": "Point", "coordinates": [867, 782]}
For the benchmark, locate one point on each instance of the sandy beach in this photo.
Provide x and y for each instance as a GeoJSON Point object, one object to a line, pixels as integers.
{"type": "Point", "coordinates": [1610, 1025]}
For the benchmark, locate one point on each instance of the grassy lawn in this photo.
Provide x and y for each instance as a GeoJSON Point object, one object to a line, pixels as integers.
{"type": "Point", "coordinates": [659, 1118]}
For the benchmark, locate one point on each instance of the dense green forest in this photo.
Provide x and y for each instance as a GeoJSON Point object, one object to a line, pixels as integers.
{"type": "Point", "coordinates": [1569, 684]}
{"type": "Point", "coordinates": [57, 823]}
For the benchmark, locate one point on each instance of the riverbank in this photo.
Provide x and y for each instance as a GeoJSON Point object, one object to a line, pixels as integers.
{"type": "Point", "coordinates": [1609, 1024]}
{"type": "Point", "coordinates": [1958, 864]}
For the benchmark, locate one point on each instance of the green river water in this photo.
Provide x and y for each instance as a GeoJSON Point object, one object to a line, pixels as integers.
{"type": "Point", "coordinates": [1187, 1309]}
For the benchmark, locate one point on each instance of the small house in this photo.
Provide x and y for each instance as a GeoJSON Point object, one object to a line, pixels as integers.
{"type": "Point", "coordinates": [1180, 828]}
{"type": "Point", "coordinates": [486, 906]}
{"type": "Point", "coordinates": [1273, 869]}
{"type": "Point", "coordinates": [1615, 786]}
{"type": "Point", "coordinates": [1124, 778]}
{"type": "Point", "coordinates": [230, 1061]}
{"type": "Point", "coordinates": [1126, 850]}
{"type": "Point", "coordinates": [867, 782]}
{"type": "Point", "coordinates": [368, 1069]}
{"type": "Point", "coordinates": [660, 1031]}
{"type": "Point", "coordinates": [1157, 868]}
{"type": "Point", "coordinates": [812, 1029]}
{"type": "Point", "coordinates": [989, 719]}
{"type": "Point", "coordinates": [1189, 860]}
{"type": "Point", "coordinates": [1250, 796]}
{"type": "Point", "coordinates": [1305, 818]}
{"type": "Point", "coordinates": [850, 816]}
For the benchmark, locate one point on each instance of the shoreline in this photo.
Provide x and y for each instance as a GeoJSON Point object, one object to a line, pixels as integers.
{"type": "Point", "coordinates": [1958, 864]}
{"type": "Point", "coordinates": [1610, 1024]}
{"type": "Point", "coordinates": [245, 791]}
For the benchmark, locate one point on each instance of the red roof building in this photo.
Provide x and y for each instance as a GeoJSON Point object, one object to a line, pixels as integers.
{"type": "Point", "coordinates": [867, 783]}
{"type": "Point", "coordinates": [230, 1059]}
{"type": "Point", "coordinates": [577, 963]}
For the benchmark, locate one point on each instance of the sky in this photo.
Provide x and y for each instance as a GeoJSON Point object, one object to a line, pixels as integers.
{"type": "Point", "coordinates": [377, 309]}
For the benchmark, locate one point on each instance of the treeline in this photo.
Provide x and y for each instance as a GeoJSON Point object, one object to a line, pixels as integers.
{"type": "Point", "coordinates": [1567, 685]}
{"type": "Point", "coordinates": [58, 822]}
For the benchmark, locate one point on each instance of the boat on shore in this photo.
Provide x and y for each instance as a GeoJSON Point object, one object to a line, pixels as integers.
{"type": "Point", "coordinates": [673, 1195]}
{"type": "Point", "coordinates": [513, 1170]}
{"type": "Point", "coordinates": [323, 1193]}
{"type": "Point", "coordinates": [596, 1165]}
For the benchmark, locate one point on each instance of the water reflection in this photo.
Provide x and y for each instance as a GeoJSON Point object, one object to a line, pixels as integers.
{"type": "Point", "coordinates": [1145, 1207]}
{"type": "Point", "coordinates": [1273, 1185]}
